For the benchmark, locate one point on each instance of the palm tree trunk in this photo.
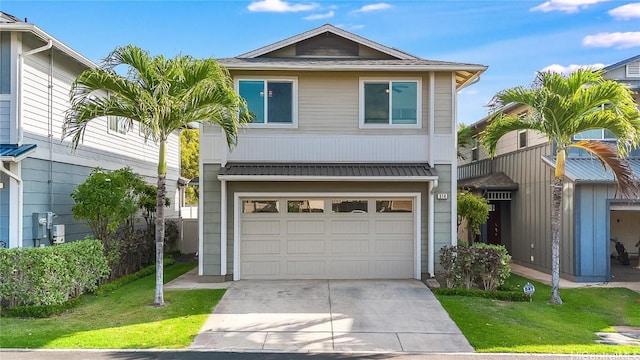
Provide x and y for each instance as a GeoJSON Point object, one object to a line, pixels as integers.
{"type": "Point", "coordinates": [162, 190]}
{"type": "Point", "coordinates": [556, 213]}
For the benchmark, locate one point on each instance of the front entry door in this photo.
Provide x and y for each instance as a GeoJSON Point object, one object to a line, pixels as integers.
{"type": "Point", "coordinates": [494, 235]}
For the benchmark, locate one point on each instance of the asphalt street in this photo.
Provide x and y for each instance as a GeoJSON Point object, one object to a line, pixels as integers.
{"type": "Point", "coordinates": [213, 355]}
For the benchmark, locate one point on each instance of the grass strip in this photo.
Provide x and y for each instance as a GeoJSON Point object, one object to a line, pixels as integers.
{"type": "Point", "coordinates": [123, 318]}
{"type": "Point", "coordinates": [538, 327]}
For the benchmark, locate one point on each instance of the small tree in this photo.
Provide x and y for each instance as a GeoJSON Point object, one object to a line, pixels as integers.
{"type": "Point", "coordinates": [106, 200]}
{"type": "Point", "coordinates": [474, 209]}
{"type": "Point", "coordinates": [189, 161]}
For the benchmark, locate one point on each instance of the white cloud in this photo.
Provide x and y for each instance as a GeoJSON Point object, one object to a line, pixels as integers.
{"type": "Point", "coordinates": [620, 40]}
{"type": "Point", "coordinates": [566, 70]}
{"type": "Point", "coordinates": [280, 6]}
{"type": "Point", "coordinates": [567, 6]}
{"type": "Point", "coordinates": [626, 12]}
{"type": "Point", "coordinates": [374, 7]}
{"type": "Point", "coordinates": [320, 16]}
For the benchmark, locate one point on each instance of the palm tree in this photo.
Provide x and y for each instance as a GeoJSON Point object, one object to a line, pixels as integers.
{"type": "Point", "coordinates": [561, 107]}
{"type": "Point", "coordinates": [162, 96]}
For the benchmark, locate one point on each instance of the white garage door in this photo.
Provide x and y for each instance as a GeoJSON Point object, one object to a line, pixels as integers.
{"type": "Point", "coordinates": [327, 238]}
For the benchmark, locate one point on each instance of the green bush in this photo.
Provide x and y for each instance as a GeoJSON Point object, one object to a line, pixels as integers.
{"type": "Point", "coordinates": [50, 275]}
{"type": "Point", "coordinates": [120, 282]}
{"type": "Point", "coordinates": [485, 266]}
{"type": "Point", "coordinates": [493, 294]}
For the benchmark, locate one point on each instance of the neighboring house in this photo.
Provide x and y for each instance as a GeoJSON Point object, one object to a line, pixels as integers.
{"type": "Point", "coordinates": [347, 171]}
{"type": "Point", "coordinates": [517, 184]}
{"type": "Point", "coordinates": [38, 170]}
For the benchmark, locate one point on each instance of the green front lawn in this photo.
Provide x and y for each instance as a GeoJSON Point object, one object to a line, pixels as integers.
{"type": "Point", "coordinates": [122, 319]}
{"type": "Point", "coordinates": [537, 327]}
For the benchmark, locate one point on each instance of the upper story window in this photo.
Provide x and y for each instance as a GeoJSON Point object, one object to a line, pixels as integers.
{"type": "Point", "coordinates": [475, 150]}
{"type": "Point", "coordinates": [385, 103]}
{"type": "Point", "coordinates": [273, 102]}
{"type": "Point", "coordinates": [595, 134]}
{"type": "Point", "coordinates": [522, 139]}
{"type": "Point", "coordinates": [117, 125]}
{"type": "Point", "coordinates": [5, 63]}
{"type": "Point", "coordinates": [633, 70]}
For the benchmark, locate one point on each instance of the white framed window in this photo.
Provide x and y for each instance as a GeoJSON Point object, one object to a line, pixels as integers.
{"type": "Point", "coordinates": [633, 69]}
{"type": "Point", "coordinates": [357, 206]}
{"type": "Point", "coordinates": [595, 134]}
{"type": "Point", "coordinates": [253, 206]}
{"type": "Point", "coordinates": [475, 151]}
{"type": "Point", "coordinates": [390, 103]}
{"type": "Point", "coordinates": [272, 101]}
{"type": "Point", "coordinates": [117, 125]}
{"type": "Point", "coordinates": [522, 139]}
{"type": "Point", "coordinates": [305, 206]}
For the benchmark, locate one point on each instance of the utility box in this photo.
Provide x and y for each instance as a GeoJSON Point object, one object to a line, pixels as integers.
{"type": "Point", "coordinates": [57, 233]}
{"type": "Point", "coordinates": [40, 226]}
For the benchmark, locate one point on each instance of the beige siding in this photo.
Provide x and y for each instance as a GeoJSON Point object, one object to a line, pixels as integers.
{"type": "Point", "coordinates": [328, 102]}
{"type": "Point", "coordinates": [211, 220]}
{"type": "Point", "coordinates": [443, 103]}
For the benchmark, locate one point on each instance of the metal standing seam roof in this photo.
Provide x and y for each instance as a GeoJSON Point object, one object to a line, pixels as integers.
{"type": "Point", "coordinates": [328, 170]}
{"type": "Point", "coordinates": [12, 152]}
{"type": "Point", "coordinates": [591, 170]}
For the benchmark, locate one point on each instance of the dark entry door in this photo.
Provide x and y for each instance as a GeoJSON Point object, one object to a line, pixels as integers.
{"type": "Point", "coordinates": [494, 235]}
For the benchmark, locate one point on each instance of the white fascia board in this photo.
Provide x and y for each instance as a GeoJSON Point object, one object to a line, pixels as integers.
{"type": "Point", "coordinates": [325, 178]}
{"type": "Point", "coordinates": [315, 67]}
{"type": "Point", "coordinates": [23, 27]}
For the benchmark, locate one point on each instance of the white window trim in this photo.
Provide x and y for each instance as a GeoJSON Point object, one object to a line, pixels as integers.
{"type": "Point", "coordinates": [294, 100]}
{"type": "Point", "coordinates": [636, 73]}
{"type": "Point", "coordinates": [116, 132]}
{"type": "Point", "coordinates": [526, 141]}
{"type": "Point", "coordinates": [417, 125]}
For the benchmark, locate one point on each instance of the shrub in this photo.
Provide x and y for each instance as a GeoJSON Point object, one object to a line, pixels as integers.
{"type": "Point", "coordinates": [493, 294]}
{"type": "Point", "coordinates": [486, 266]}
{"type": "Point", "coordinates": [50, 275]}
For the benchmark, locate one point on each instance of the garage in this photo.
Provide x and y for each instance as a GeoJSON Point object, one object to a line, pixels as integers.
{"type": "Point", "coordinates": [327, 237]}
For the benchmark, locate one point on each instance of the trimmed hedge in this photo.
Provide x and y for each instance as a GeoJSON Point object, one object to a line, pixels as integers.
{"type": "Point", "coordinates": [50, 275]}
{"type": "Point", "coordinates": [494, 294]}
{"type": "Point", "coordinates": [120, 282]}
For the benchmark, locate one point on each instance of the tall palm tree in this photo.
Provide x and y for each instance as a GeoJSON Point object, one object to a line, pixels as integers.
{"type": "Point", "coordinates": [163, 96]}
{"type": "Point", "coordinates": [561, 107]}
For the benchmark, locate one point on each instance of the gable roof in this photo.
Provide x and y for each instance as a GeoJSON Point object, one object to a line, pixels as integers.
{"type": "Point", "coordinates": [622, 63]}
{"type": "Point", "coordinates": [324, 29]}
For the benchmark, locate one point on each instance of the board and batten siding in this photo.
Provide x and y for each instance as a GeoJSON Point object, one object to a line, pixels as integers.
{"type": "Point", "coordinates": [5, 121]}
{"type": "Point", "coordinates": [531, 210]}
{"type": "Point", "coordinates": [442, 212]}
{"type": "Point", "coordinates": [592, 231]}
{"type": "Point", "coordinates": [443, 112]}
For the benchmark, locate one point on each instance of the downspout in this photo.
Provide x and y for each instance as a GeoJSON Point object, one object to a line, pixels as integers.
{"type": "Point", "coordinates": [21, 57]}
{"type": "Point", "coordinates": [430, 223]}
{"type": "Point", "coordinates": [20, 71]}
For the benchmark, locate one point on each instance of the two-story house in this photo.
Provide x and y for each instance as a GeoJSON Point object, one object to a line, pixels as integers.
{"type": "Point", "coordinates": [517, 185]}
{"type": "Point", "coordinates": [348, 169]}
{"type": "Point", "coordinates": [38, 170]}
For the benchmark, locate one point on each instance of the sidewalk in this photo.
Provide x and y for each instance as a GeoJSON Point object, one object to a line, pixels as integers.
{"type": "Point", "coordinates": [566, 284]}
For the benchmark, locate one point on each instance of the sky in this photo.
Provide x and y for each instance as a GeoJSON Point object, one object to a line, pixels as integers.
{"type": "Point", "coordinates": [515, 39]}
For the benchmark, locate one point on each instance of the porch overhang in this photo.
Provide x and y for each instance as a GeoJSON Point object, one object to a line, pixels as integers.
{"type": "Point", "coordinates": [328, 172]}
{"type": "Point", "coordinates": [15, 153]}
{"type": "Point", "coordinates": [491, 182]}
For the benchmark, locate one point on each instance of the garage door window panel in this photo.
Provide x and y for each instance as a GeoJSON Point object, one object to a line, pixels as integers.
{"type": "Point", "coordinates": [305, 206]}
{"type": "Point", "coordinates": [394, 206]}
{"type": "Point", "coordinates": [260, 206]}
{"type": "Point", "coordinates": [350, 206]}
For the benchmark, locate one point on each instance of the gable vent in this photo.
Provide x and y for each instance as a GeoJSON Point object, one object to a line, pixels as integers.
{"type": "Point", "coordinates": [633, 70]}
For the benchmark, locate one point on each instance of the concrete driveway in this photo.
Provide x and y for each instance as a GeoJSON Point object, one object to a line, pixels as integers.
{"type": "Point", "coordinates": [330, 316]}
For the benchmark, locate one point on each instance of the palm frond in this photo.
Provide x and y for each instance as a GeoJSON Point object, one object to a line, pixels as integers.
{"type": "Point", "coordinates": [501, 124]}
{"type": "Point", "coordinates": [626, 182]}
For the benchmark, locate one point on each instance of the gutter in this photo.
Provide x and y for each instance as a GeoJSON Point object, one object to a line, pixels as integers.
{"type": "Point", "coordinates": [312, 67]}
{"type": "Point", "coordinates": [325, 178]}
